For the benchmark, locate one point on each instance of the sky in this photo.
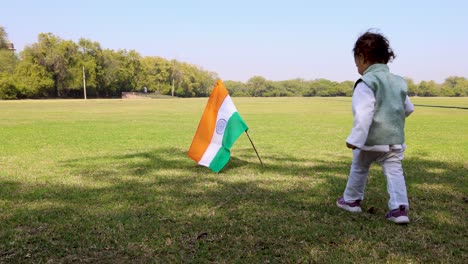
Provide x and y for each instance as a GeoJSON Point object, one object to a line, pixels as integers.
{"type": "Point", "coordinates": [279, 40]}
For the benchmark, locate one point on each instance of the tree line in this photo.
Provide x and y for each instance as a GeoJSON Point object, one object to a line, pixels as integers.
{"type": "Point", "coordinates": [57, 68]}
{"type": "Point", "coordinates": [53, 68]}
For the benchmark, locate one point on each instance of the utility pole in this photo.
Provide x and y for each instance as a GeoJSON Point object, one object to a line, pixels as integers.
{"type": "Point", "coordinates": [84, 83]}
{"type": "Point", "coordinates": [84, 75]}
{"type": "Point", "coordinates": [173, 73]}
{"type": "Point", "coordinates": [172, 86]}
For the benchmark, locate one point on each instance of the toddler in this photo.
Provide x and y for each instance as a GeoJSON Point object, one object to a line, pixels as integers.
{"type": "Point", "coordinates": [380, 105]}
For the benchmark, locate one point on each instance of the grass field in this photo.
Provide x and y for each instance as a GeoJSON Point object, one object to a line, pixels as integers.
{"type": "Point", "coordinates": [109, 181]}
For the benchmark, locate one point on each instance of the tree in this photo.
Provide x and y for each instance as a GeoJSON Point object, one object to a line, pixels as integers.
{"type": "Point", "coordinates": [257, 86]}
{"type": "Point", "coordinates": [184, 75]}
{"type": "Point", "coordinates": [8, 61]}
{"type": "Point", "coordinates": [455, 86]}
{"type": "Point", "coordinates": [323, 87]}
{"type": "Point", "coordinates": [90, 60]}
{"type": "Point", "coordinates": [412, 87]}
{"type": "Point", "coordinates": [345, 88]}
{"type": "Point", "coordinates": [294, 87]}
{"type": "Point", "coordinates": [57, 56]}
{"type": "Point", "coordinates": [236, 88]}
{"type": "Point", "coordinates": [33, 80]}
{"type": "Point", "coordinates": [203, 81]}
{"type": "Point", "coordinates": [8, 58]}
{"type": "Point", "coordinates": [191, 80]}
{"type": "Point", "coordinates": [7, 87]}
{"type": "Point", "coordinates": [461, 88]}
{"type": "Point", "coordinates": [155, 74]}
{"type": "Point", "coordinates": [310, 90]}
{"type": "Point", "coordinates": [109, 80]}
{"type": "Point", "coordinates": [129, 69]}
{"type": "Point", "coordinates": [429, 88]}
{"type": "Point", "coordinates": [119, 71]}
{"type": "Point", "coordinates": [3, 38]}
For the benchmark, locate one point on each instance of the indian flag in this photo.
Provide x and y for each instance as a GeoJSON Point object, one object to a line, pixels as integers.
{"type": "Point", "coordinates": [219, 128]}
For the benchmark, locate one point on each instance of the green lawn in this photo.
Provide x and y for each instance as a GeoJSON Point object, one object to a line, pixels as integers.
{"type": "Point", "coordinates": [109, 181]}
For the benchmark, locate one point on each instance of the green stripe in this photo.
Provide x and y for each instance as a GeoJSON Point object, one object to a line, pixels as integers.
{"type": "Point", "coordinates": [234, 128]}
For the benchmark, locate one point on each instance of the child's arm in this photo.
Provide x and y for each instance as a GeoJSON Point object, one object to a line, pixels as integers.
{"type": "Point", "coordinates": [409, 107]}
{"type": "Point", "coordinates": [363, 111]}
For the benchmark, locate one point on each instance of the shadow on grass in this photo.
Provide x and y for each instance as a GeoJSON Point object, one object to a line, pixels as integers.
{"type": "Point", "coordinates": [159, 206]}
{"type": "Point", "coordinates": [443, 106]}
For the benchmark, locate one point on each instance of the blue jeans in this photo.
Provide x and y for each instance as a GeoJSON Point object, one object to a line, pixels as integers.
{"type": "Point", "coordinates": [391, 165]}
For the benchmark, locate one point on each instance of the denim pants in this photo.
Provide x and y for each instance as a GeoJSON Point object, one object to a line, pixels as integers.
{"type": "Point", "coordinates": [391, 165]}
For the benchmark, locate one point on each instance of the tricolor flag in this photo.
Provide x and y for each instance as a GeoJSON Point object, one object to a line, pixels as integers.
{"type": "Point", "coordinates": [219, 128]}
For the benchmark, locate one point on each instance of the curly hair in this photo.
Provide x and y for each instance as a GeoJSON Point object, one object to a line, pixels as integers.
{"type": "Point", "coordinates": [373, 48]}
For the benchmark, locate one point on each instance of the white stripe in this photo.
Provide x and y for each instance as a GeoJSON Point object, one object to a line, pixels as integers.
{"type": "Point", "coordinates": [225, 112]}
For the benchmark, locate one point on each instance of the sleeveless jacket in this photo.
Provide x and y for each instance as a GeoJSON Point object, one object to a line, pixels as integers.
{"type": "Point", "coordinates": [390, 92]}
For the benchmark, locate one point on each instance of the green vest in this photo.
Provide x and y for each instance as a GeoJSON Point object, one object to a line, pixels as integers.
{"type": "Point", "coordinates": [390, 92]}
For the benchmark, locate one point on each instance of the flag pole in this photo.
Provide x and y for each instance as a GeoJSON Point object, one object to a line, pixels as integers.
{"type": "Point", "coordinates": [251, 142]}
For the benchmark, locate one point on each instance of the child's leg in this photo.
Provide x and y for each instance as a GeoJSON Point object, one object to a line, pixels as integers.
{"type": "Point", "coordinates": [358, 174]}
{"type": "Point", "coordinates": [396, 187]}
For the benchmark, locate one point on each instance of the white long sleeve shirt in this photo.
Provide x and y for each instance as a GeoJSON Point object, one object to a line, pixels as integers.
{"type": "Point", "coordinates": [363, 104]}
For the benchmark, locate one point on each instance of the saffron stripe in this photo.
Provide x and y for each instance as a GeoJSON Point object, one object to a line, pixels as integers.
{"type": "Point", "coordinates": [207, 124]}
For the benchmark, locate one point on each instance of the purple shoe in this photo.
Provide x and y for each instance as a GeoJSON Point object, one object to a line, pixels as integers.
{"type": "Point", "coordinates": [354, 207]}
{"type": "Point", "coordinates": [398, 216]}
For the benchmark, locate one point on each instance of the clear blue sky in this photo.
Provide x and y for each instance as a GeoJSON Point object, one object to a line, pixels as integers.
{"type": "Point", "coordinates": [239, 39]}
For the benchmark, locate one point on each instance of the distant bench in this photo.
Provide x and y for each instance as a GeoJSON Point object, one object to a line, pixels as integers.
{"type": "Point", "coordinates": [134, 95]}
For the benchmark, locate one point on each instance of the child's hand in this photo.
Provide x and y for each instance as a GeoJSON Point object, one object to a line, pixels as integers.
{"type": "Point", "coordinates": [350, 146]}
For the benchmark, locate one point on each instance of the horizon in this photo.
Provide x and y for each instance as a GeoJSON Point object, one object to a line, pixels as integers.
{"type": "Point", "coordinates": [278, 41]}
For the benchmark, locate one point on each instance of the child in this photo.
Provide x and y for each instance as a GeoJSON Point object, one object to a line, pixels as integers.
{"type": "Point", "coordinates": [380, 105]}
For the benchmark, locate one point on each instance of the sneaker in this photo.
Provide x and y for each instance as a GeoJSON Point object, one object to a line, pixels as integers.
{"type": "Point", "coordinates": [398, 216]}
{"type": "Point", "coordinates": [354, 207]}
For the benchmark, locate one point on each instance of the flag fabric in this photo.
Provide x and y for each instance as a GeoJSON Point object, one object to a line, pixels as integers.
{"type": "Point", "coordinates": [219, 128]}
